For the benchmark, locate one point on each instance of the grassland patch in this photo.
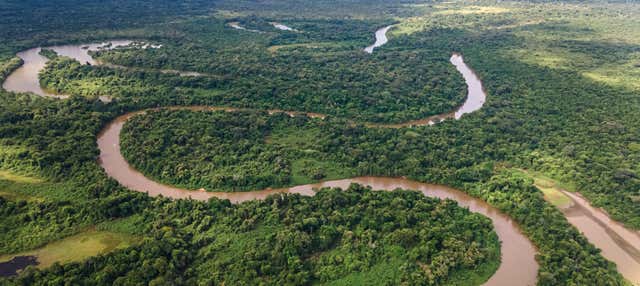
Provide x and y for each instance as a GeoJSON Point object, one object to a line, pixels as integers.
{"type": "Point", "coordinates": [77, 247]}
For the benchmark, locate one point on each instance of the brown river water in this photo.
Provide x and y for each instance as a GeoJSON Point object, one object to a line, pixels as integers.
{"type": "Point", "coordinates": [518, 266]}
{"type": "Point", "coordinates": [25, 78]}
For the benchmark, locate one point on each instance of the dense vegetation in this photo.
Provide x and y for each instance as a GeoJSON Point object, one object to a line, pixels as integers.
{"type": "Point", "coordinates": [222, 151]}
{"type": "Point", "coordinates": [563, 99]}
{"type": "Point", "coordinates": [279, 71]}
{"type": "Point", "coordinates": [54, 139]}
{"type": "Point", "coordinates": [9, 66]}
{"type": "Point", "coordinates": [507, 190]}
{"type": "Point", "coordinates": [334, 237]}
{"type": "Point", "coordinates": [34, 22]}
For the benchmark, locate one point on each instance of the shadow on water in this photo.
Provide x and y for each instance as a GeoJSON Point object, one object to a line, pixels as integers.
{"type": "Point", "coordinates": [11, 267]}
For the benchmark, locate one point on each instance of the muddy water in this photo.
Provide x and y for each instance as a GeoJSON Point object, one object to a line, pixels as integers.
{"type": "Point", "coordinates": [12, 267]}
{"type": "Point", "coordinates": [518, 265]}
{"type": "Point", "coordinates": [117, 167]}
{"type": "Point", "coordinates": [618, 244]}
{"type": "Point", "coordinates": [517, 251]}
{"type": "Point", "coordinates": [381, 39]}
{"type": "Point", "coordinates": [25, 78]}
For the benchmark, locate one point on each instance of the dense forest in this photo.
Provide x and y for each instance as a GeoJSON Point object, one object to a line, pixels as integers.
{"type": "Point", "coordinates": [337, 79]}
{"type": "Point", "coordinates": [333, 237]}
{"type": "Point", "coordinates": [231, 151]}
{"type": "Point", "coordinates": [563, 100]}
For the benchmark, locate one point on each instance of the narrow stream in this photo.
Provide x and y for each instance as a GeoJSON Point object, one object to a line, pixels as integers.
{"type": "Point", "coordinates": [283, 27]}
{"type": "Point", "coordinates": [381, 39]}
{"type": "Point", "coordinates": [476, 97]}
{"type": "Point", "coordinates": [236, 25]}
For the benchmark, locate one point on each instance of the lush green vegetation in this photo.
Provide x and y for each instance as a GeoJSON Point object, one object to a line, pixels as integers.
{"type": "Point", "coordinates": [30, 23]}
{"type": "Point", "coordinates": [77, 247]}
{"type": "Point", "coordinates": [9, 66]}
{"type": "Point", "coordinates": [295, 240]}
{"type": "Point", "coordinates": [563, 100]}
{"type": "Point", "coordinates": [512, 192]}
{"type": "Point", "coordinates": [223, 151]}
{"type": "Point", "coordinates": [336, 79]}
{"type": "Point", "coordinates": [54, 143]}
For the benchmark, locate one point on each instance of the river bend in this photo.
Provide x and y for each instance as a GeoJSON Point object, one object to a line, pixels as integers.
{"type": "Point", "coordinates": [619, 244]}
{"type": "Point", "coordinates": [25, 78]}
{"type": "Point", "coordinates": [518, 262]}
{"type": "Point", "coordinates": [518, 265]}
{"type": "Point", "coordinates": [381, 39]}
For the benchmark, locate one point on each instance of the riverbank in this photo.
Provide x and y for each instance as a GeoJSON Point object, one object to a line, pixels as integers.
{"type": "Point", "coordinates": [618, 243]}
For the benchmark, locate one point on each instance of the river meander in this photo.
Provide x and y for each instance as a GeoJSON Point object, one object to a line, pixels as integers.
{"type": "Point", "coordinates": [381, 39]}
{"type": "Point", "coordinates": [25, 78]}
{"type": "Point", "coordinates": [518, 266]}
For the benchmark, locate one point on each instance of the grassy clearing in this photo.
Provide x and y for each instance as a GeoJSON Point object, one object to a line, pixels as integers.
{"type": "Point", "coordinates": [18, 187]}
{"type": "Point", "coordinates": [552, 194]}
{"type": "Point", "coordinates": [447, 10]}
{"type": "Point", "coordinates": [311, 167]}
{"type": "Point", "coordinates": [276, 48]}
{"type": "Point", "coordinates": [617, 75]}
{"type": "Point", "coordinates": [77, 247]}
{"type": "Point", "coordinates": [133, 225]}
{"type": "Point", "coordinates": [303, 171]}
{"type": "Point", "coordinates": [14, 177]}
{"type": "Point", "coordinates": [12, 185]}
{"type": "Point", "coordinates": [556, 59]}
{"type": "Point", "coordinates": [551, 189]}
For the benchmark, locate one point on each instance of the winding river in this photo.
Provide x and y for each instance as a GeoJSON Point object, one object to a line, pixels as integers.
{"type": "Point", "coordinates": [476, 97]}
{"type": "Point", "coordinates": [381, 39]}
{"type": "Point", "coordinates": [25, 78]}
{"type": "Point", "coordinates": [282, 27]}
{"type": "Point", "coordinates": [518, 265]}
{"type": "Point", "coordinates": [236, 25]}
